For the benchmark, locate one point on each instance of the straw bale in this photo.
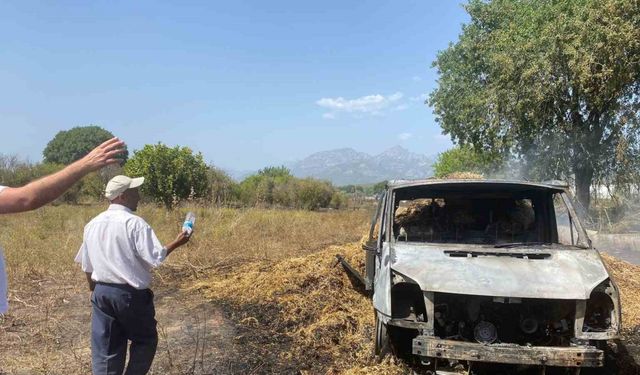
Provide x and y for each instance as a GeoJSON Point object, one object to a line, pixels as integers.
{"type": "Point", "coordinates": [413, 211]}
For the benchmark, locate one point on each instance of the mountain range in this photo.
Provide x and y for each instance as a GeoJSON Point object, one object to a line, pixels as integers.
{"type": "Point", "coordinates": [347, 166]}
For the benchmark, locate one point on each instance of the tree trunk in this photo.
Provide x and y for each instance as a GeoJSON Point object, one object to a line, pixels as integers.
{"type": "Point", "coordinates": [584, 178]}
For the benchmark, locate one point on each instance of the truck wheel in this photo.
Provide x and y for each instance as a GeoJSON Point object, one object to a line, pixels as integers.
{"type": "Point", "coordinates": [382, 347]}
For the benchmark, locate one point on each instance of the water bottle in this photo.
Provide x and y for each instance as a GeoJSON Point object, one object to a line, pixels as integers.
{"type": "Point", "coordinates": [189, 221]}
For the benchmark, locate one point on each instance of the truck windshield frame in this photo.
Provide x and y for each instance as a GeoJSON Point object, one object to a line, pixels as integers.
{"type": "Point", "coordinates": [477, 214]}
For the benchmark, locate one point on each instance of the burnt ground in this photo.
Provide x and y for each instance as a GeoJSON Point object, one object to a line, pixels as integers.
{"type": "Point", "coordinates": [48, 332]}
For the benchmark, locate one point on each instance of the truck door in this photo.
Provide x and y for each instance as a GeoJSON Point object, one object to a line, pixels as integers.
{"type": "Point", "coordinates": [373, 245]}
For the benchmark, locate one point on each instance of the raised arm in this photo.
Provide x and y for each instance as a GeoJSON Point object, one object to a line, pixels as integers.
{"type": "Point", "coordinates": [46, 189]}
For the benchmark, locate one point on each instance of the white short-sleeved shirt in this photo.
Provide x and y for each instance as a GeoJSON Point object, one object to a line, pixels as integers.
{"type": "Point", "coordinates": [120, 248]}
{"type": "Point", "coordinates": [4, 304]}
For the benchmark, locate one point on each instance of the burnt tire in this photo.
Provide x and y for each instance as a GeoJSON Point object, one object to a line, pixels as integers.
{"type": "Point", "coordinates": [382, 346]}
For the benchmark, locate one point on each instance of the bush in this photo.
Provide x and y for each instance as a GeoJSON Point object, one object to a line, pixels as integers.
{"type": "Point", "coordinates": [222, 187]}
{"type": "Point", "coordinates": [276, 186]}
{"type": "Point", "coordinates": [313, 194]}
{"type": "Point", "coordinates": [171, 174]}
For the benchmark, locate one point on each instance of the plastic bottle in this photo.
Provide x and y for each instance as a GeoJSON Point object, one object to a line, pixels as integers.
{"type": "Point", "coordinates": [189, 222]}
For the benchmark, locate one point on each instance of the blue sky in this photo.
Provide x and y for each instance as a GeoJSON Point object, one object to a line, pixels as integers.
{"type": "Point", "coordinates": [247, 83]}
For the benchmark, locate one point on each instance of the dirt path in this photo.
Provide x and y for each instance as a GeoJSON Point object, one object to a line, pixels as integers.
{"type": "Point", "coordinates": [48, 332]}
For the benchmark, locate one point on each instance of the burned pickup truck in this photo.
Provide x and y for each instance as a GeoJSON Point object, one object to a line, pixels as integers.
{"type": "Point", "coordinates": [465, 272]}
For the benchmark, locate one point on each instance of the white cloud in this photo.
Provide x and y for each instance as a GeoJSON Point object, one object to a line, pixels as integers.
{"type": "Point", "coordinates": [329, 115]}
{"type": "Point", "coordinates": [404, 136]}
{"type": "Point", "coordinates": [416, 78]}
{"type": "Point", "coordinates": [370, 104]}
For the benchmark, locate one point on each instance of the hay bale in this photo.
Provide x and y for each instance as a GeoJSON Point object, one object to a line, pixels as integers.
{"type": "Point", "coordinates": [413, 211]}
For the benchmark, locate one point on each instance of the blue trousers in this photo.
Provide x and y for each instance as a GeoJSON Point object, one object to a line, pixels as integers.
{"type": "Point", "coordinates": [122, 313]}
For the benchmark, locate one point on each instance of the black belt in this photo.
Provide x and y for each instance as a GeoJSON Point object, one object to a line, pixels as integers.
{"type": "Point", "coordinates": [126, 287]}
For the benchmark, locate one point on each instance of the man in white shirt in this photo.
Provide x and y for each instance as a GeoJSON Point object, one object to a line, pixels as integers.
{"type": "Point", "coordinates": [46, 189]}
{"type": "Point", "coordinates": [118, 251]}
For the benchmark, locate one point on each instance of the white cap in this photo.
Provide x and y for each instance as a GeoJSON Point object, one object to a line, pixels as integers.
{"type": "Point", "coordinates": [119, 184]}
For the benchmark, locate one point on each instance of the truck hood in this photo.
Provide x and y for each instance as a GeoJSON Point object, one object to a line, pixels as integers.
{"type": "Point", "coordinates": [550, 272]}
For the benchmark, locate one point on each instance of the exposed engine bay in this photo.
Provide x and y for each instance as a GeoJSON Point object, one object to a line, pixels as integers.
{"type": "Point", "coordinates": [489, 320]}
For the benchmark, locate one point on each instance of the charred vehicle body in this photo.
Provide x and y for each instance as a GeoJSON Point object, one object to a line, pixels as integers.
{"type": "Point", "coordinates": [470, 271]}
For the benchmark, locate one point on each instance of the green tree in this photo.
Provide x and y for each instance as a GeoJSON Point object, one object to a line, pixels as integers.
{"type": "Point", "coordinates": [462, 159]}
{"type": "Point", "coordinates": [70, 145]}
{"type": "Point", "coordinates": [171, 174]}
{"type": "Point", "coordinates": [276, 186]}
{"type": "Point", "coordinates": [313, 194]}
{"type": "Point", "coordinates": [378, 187]}
{"type": "Point", "coordinates": [222, 187]}
{"type": "Point", "coordinates": [279, 173]}
{"type": "Point", "coordinates": [555, 84]}
{"type": "Point", "coordinates": [338, 200]}
{"type": "Point", "coordinates": [267, 187]}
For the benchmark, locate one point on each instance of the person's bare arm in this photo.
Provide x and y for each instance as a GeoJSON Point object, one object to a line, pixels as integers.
{"type": "Point", "coordinates": [46, 189]}
{"type": "Point", "coordinates": [182, 239]}
{"type": "Point", "coordinates": [92, 284]}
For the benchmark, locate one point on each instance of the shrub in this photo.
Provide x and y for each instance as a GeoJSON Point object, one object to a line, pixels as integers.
{"type": "Point", "coordinates": [222, 187]}
{"type": "Point", "coordinates": [276, 186]}
{"type": "Point", "coordinates": [171, 174]}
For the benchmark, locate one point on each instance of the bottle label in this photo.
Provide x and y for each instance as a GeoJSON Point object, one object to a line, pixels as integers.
{"type": "Point", "coordinates": [187, 226]}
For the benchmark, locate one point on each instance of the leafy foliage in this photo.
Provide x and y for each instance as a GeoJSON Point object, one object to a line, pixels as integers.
{"type": "Point", "coordinates": [462, 159]}
{"type": "Point", "coordinates": [70, 145]}
{"type": "Point", "coordinates": [222, 187]}
{"type": "Point", "coordinates": [171, 174]}
{"type": "Point", "coordinates": [277, 186]}
{"type": "Point", "coordinates": [554, 83]}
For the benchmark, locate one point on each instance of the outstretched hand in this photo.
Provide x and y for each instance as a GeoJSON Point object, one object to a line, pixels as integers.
{"type": "Point", "coordinates": [182, 238]}
{"type": "Point", "coordinates": [104, 154]}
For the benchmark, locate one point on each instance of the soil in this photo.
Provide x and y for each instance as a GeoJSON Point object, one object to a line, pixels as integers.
{"type": "Point", "coordinates": [47, 331]}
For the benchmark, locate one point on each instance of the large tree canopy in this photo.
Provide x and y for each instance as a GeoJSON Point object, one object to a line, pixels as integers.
{"type": "Point", "coordinates": [70, 145]}
{"type": "Point", "coordinates": [554, 83]}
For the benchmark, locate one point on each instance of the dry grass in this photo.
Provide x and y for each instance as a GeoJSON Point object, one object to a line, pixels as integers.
{"type": "Point", "coordinates": [627, 277]}
{"type": "Point", "coordinates": [320, 322]}
{"type": "Point", "coordinates": [46, 330]}
{"type": "Point", "coordinates": [44, 242]}
{"type": "Point", "coordinates": [273, 272]}
{"type": "Point", "coordinates": [304, 313]}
